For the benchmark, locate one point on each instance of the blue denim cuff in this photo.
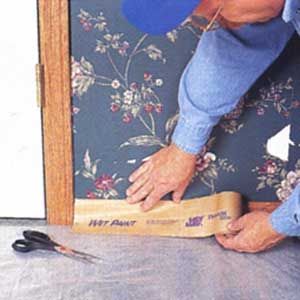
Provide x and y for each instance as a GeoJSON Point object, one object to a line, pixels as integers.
{"type": "Point", "coordinates": [286, 218]}
{"type": "Point", "coordinates": [291, 13]}
{"type": "Point", "coordinates": [190, 137]}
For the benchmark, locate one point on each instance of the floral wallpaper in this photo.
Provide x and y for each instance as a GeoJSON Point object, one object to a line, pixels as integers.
{"type": "Point", "coordinates": [125, 86]}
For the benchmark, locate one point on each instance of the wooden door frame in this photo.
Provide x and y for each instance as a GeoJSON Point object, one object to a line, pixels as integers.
{"type": "Point", "coordinates": [56, 110]}
{"type": "Point", "coordinates": [55, 56]}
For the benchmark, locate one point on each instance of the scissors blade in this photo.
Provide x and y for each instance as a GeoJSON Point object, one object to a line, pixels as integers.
{"type": "Point", "coordinates": [87, 254]}
{"type": "Point", "coordinates": [76, 254]}
{"type": "Point", "coordinates": [77, 257]}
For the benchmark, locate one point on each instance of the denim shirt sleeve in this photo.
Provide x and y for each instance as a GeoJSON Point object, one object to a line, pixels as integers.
{"type": "Point", "coordinates": [226, 63]}
{"type": "Point", "coordinates": [286, 218]}
{"type": "Point", "coordinates": [291, 13]}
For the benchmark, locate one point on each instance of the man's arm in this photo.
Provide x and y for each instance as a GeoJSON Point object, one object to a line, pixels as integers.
{"type": "Point", "coordinates": [286, 218]}
{"type": "Point", "coordinates": [225, 65]}
{"type": "Point", "coordinates": [223, 68]}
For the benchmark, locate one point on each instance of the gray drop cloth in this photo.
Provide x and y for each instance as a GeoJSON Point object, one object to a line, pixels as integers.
{"type": "Point", "coordinates": [144, 268]}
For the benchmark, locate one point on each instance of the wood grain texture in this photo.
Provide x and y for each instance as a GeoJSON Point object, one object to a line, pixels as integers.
{"type": "Point", "coordinates": [57, 131]}
{"type": "Point", "coordinates": [265, 206]}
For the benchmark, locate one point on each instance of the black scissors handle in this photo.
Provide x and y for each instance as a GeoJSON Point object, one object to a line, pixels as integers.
{"type": "Point", "coordinates": [34, 240]}
{"type": "Point", "coordinates": [27, 246]}
{"type": "Point", "coordinates": [37, 236]}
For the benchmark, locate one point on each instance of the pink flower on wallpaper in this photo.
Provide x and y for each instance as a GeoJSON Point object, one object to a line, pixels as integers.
{"type": "Point", "coordinates": [114, 107]}
{"type": "Point", "coordinates": [123, 48]}
{"type": "Point", "coordinates": [91, 195]}
{"type": "Point", "coordinates": [127, 118]}
{"type": "Point", "coordinates": [103, 186]}
{"type": "Point", "coordinates": [85, 22]}
{"type": "Point", "coordinates": [203, 161]}
{"type": "Point", "coordinates": [75, 110]}
{"type": "Point", "coordinates": [269, 167]}
{"type": "Point", "coordinates": [296, 104]}
{"type": "Point", "coordinates": [87, 26]}
{"type": "Point", "coordinates": [208, 166]}
{"type": "Point", "coordinates": [159, 108]}
{"type": "Point", "coordinates": [134, 86]}
{"type": "Point", "coordinates": [277, 97]}
{"type": "Point", "coordinates": [271, 173]}
{"type": "Point", "coordinates": [147, 76]}
{"type": "Point", "coordinates": [260, 111]}
{"type": "Point", "coordinates": [104, 183]}
{"type": "Point", "coordinates": [148, 107]}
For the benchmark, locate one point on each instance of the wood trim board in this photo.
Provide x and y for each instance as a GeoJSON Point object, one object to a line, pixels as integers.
{"type": "Point", "coordinates": [56, 110]}
{"type": "Point", "coordinates": [55, 56]}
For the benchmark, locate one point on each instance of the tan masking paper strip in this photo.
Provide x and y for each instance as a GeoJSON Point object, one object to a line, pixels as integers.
{"type": "Point", "coordinates": [199, 217]}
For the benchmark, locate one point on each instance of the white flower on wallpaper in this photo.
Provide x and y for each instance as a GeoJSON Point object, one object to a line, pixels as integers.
{"type": "Point", "coordinates": [272, 173]}
{"type": "Point", "coordinates": [289, 183]}
{"type": "Point", "coordinates": [82, 76]}
{"type": "Point", "coordinates": [208, 166]}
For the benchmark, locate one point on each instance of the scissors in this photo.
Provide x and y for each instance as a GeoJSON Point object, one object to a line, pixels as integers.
{"type": "Point", "coordinates": [36, 240]}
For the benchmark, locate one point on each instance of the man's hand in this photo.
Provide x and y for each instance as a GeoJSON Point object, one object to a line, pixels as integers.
{"type": "Point", "coordinates": [236, 13]}
{"type": "Point", "coordinates": [251, 233]}
{"type": "Point", "coordinates": [168, 170]}
{"type": "Point", "coordinates": [248, 12]}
